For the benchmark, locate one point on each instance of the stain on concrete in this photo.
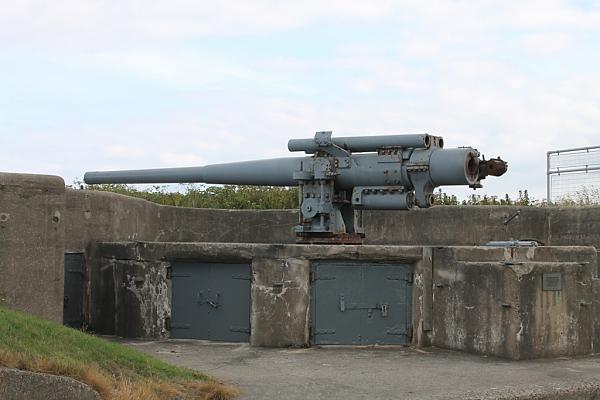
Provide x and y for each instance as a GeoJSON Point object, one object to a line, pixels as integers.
{"type": "Point", "coordinates": [500, 308]}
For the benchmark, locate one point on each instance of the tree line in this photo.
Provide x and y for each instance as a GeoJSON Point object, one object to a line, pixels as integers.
{"type": "Point", "coordinates": [271, 197]}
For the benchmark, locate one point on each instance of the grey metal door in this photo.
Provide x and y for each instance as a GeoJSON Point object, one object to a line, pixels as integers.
{"type": "Point", "coordinates": [211, 301]}
{"type": "Point", "coordinates": [361, 303]}
{"type": "Point", "coordinates": [73, 290]}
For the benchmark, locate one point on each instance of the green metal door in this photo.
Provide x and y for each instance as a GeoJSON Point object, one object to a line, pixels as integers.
{"type": "Point", "coordinates": [361, 303]}
{"type": "Point", "coordinates": [211, 301]}
{"type": "Point", "coordinates": [73, 290]}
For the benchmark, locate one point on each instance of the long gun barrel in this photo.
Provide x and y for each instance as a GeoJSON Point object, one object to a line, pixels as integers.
{"type": "Point", "coordinates": [396, 172]}
{"type": "Point", "coordinates": [273, 172]}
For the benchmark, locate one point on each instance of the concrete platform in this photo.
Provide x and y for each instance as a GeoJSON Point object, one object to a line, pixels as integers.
{"type": "Point", "coordinates": [379, 372]}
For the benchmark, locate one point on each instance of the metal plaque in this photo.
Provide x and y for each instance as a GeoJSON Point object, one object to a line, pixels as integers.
{"type": "Point", "coordinates": [552, 281]}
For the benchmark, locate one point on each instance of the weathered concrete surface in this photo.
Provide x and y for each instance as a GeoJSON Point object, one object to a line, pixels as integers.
{"type": "Point", "coordinates": [23, 385]}
{"type": "Point", "coordinates": [380, 373]}
{"type": "Point", "coordinates": [131, 296]}
{"type": "Point", "coordinates": [103, 216]}
{"type": "Point", "coordinates": [490, 301]}
{"type": "Point", "coordinates": [479, 299]}
{"type": "Point", "coordinates": [456, 225]}
{"type": "Point", "coordinates": [32, 211]}
{"type": "Point", "coordinates": [596, 315]}
{"type": "Point", "coordinates": [280, 314]}
{"type": "Point", "coordinates": [574, 226]}
{"type": "Point", "coordinates": [100, 216]}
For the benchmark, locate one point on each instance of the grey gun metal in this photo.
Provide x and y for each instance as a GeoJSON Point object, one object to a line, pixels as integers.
{"type": "Point", "coordinates": [340, 177]}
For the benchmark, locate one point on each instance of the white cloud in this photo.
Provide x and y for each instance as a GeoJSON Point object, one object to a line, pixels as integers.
{"type": "Point", "coordinates": [547, 42]}
{"type": "Point", "coordinates": [451, 69]}
{"type": "Point", "coordinates": [68, 24]}
{"type": "Point", "coordinates": [113, 23]}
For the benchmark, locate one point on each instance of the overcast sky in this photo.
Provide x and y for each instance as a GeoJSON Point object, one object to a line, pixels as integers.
{"type": "Point", "coordinates": [90, 85]}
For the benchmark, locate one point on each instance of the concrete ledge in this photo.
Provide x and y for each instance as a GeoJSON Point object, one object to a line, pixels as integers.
{"type": "Point", "coordinates": [24, 385]}
{"type": "Point", "coordinates": [236, 252]}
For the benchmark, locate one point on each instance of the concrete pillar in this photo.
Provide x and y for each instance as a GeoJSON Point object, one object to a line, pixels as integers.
{"type": "Point", "coordinates": [32, 234]}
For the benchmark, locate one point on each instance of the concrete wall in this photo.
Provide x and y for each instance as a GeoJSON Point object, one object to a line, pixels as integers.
{"type": "Point", "coordinates": [478, 299]}
{"type": "Point", "coordinates": [491, 301]}
{"type": "Point", "coordinates": [101, 216]}
{"type": "Point", "coordinates": [98, 216]}
{"type": "Point", "coordinates": [279, 315]}
{"type": "Point", "coordinates": [574, 226]}
{"type": "Point", "coordinates": [456, 225]}
{"type": "Point", "coordinates": [32, 236]}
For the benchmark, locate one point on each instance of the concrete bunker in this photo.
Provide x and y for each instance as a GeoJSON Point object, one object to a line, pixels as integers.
{"type": "Point", "coordinates": [495, 301]}
{"type": "Point", "coordinates": [485, 300]}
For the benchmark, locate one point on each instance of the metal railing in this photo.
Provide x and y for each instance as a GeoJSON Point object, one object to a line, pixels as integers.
{"type": "Point", "coordinates": [569, 171]}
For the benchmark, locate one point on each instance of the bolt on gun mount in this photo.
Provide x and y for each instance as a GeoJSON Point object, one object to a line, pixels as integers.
{"type": "Point", "coordinates": [340, 177]}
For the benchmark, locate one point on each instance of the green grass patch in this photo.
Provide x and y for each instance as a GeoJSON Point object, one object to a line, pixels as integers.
{"type": "Point", "coordinates": [30, 343]}
{"type": "Point", "coordinates": [31, 336]}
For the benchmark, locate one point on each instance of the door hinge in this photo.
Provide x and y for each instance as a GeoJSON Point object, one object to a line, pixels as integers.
{"type": "Point", "coordinates": [168, 323]}
{"type": "Point", "coordinates": [169, 272]}
{"type": "Point", "coordinates": [410, 278]}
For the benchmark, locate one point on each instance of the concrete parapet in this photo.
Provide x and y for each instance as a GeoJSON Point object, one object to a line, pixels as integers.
{"type": "Point", "coordinates": [455, 225]}
{"type": "Point", "coordinates": [574, 226]}
{"type": "Point", "coordinates": [101, 216]}
{"type": "Point", "coordinates": [94, 216]}
{"type": "Point", "coordinates": [32, 235]}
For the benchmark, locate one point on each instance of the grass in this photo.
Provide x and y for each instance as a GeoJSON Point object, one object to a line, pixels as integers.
{"type": "Point", "coordinates": [115, 371]}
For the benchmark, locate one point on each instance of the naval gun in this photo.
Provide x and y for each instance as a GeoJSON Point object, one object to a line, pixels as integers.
{"type": "Point", "coordinates": [339, 177]}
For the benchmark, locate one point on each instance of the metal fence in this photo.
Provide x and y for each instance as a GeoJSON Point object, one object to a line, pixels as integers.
{"type": "Point", "coordinates": [573, 174]}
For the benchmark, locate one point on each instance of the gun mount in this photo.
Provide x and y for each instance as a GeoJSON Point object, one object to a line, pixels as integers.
{"type": "Point", "coordinates": [392, 172]}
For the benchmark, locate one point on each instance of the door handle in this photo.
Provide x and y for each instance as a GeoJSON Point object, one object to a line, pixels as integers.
{"type": "Point", "coordinates": [384, 309]}
{"type": "Point", "coordinates": [214, 304]}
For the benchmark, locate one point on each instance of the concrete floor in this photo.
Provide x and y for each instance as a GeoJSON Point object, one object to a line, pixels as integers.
{"type": "Point", "coordinates": [379, 372]}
